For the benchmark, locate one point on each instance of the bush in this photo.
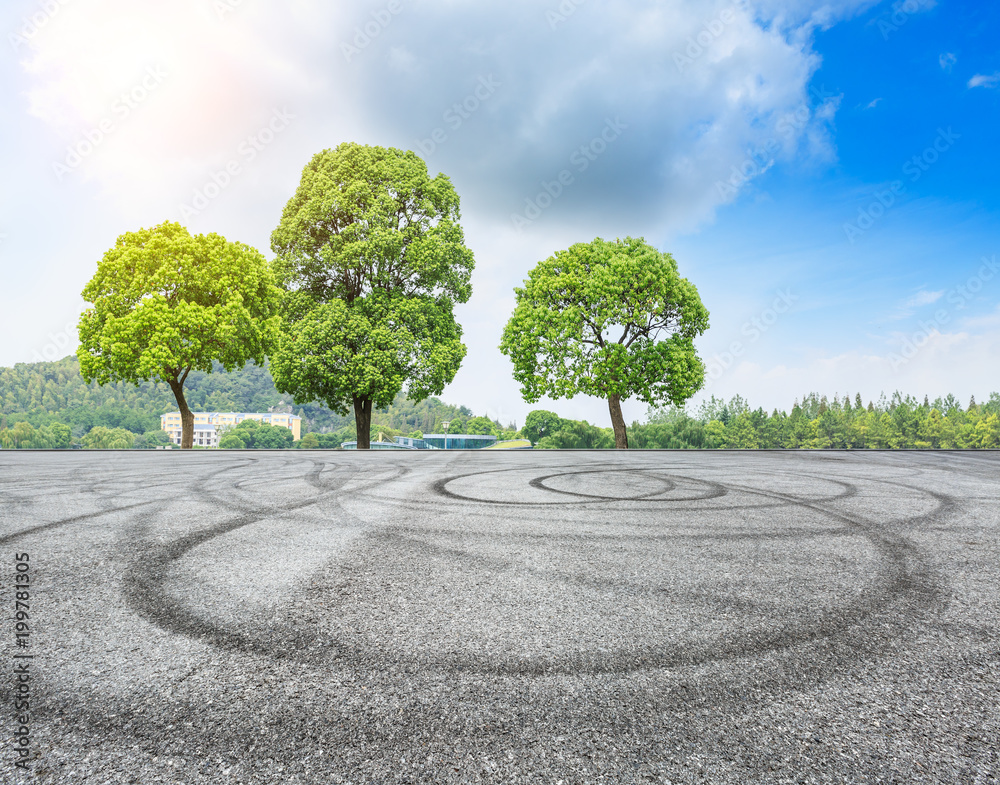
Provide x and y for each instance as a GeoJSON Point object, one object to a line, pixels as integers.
{"type": "Point", "coordinates": [261, 436]}
{"type": "Point", "coordinates": [150, 440]}
{"type": "Point", "coordinates": [101, 438]}
{"type": "Point", "coordinates": [574, 435]}
{"type": "Point", "coordinates": [231, 441]}
{"type": "Point", "coordinates": [540, 423]}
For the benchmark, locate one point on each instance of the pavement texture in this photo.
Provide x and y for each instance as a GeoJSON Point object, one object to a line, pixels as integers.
{"type": "Point", "coordinates": [522, 617]}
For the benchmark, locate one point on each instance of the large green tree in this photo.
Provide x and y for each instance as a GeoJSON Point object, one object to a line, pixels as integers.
{"type": "Point", "coordinates": [373, 257]}
{"type": "Point", "coordinates": [608, 319]}
{"type": "Point", "coordinates": [166, 303]}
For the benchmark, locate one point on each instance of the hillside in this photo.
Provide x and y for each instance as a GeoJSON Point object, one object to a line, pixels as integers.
{"type": "Point", "coordinates": [49, 405]}
{"type": "Point", "coordinates": [54, 392]}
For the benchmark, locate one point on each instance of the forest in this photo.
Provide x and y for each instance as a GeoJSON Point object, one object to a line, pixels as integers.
{"type": "Point", "coordinates": [49, 405]}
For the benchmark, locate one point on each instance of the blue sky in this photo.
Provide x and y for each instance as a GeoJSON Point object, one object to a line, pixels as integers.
{"type": "Point", "coordinates": [824, 172]}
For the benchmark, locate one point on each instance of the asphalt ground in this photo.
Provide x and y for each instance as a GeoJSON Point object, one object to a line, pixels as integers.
{"type": "Point", "coordinates": [490, 617]}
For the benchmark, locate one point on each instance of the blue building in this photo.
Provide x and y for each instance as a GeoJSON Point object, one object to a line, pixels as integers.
{"type": "Point", "coordinates": [458, 441]}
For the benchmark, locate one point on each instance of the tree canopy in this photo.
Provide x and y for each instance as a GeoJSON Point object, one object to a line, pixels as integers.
{"type": "Point", "coordinates": [166, 303]}
{"type": "Point", "coordinates": [253, 435]}
{"type": "Point", "coordinates": [609, 319]}
{"type": "Point", "coordinates": [373, 258]}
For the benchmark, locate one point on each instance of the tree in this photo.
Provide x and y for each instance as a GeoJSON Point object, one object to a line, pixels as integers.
{"type": "Point", "coordinates": [166, 303]}
{"type": "Point", "coordinates": [740, 433]}
{"type": "Point", "coordinates": [260, 436]}
{"type": "Point", "coordinates": [611, 319]}
{"type": "Point", "coordinates": [101, 438]}
{"type": "Point", "coordinates": [62, 434]}
{"type": "Point", "coordinates": [150, 440]}
{"type": "Point", "coordinates": [576, 435]}
{"type": "Point", "coordinates": [309, 442]}
{"type": "Point", "coordinates": [374, 259]}
{"type": "Point", "coordinates": [540, 423]}
{"type": "Point", "coordinates": [230, 441]}
{"type": "Point", "coordinates": [482, 426]}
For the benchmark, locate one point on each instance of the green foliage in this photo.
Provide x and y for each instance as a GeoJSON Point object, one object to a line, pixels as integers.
{"type": "Point", "coordinates": [332, 441]}
{"type": "Point", "coordinates": [45, 393]}
{"type": "Point", "coordinates": [150, 440]}
{"type": "Point", "coordinates": [679, 434]}
{"type": "Point", "coordinates": [480, 425]}
{"type": "Point", "coordinates": [575, 435]}
{"type": "Point", "coordinates": [231, 441]}
{"type": "Point", "coordinates": [608, 319]}
{"type": "Point", "coordinates": [547, 431]}
{"type": "Point", "coordinates": [261, 436]}
{"type": "Point", "coordinates": [338, 353]}
{"type": "Point", "coordinates": [166, 303]}
{"type": "Point", "coordinates": [374, 259]}
{"type": "Point", "coordinates": [561, 337]}
{"type": "Point", "coordinates": [55, 396]}
{"type": "Point", "coordinates": [817, 423]}
{"type": "Point", "coordinates": [24, 436]}
{"type": "Point", "coordinates": [62, 435]}
{"type": "Point", "coordinates": [540, 423]}
{"type": "Point", "coordinates": [309, 442]}
{"type": "Point", "coordinates": [101, 438]}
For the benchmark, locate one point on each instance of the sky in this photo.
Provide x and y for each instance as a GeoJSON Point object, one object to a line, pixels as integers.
{"type": "Point", "coordinates": [825, 173]}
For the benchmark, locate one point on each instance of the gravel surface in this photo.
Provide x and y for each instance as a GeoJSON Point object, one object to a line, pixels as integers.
{"type": "Point", "coordinates": [522, 617]}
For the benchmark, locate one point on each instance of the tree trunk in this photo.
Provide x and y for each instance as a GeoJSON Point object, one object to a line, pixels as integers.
{"type": "Point", "coordinates": [187, 416]}
{"type": "Point", "coordinates": [363, 422]}
{"type": "Point", "coordinates": [618, 422]}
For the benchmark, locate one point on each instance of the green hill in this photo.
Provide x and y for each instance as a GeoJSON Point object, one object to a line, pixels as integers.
{"type": "Point", "coordinates": [48, 404]}
{"type": "Point", "coordinates": [45, 393]}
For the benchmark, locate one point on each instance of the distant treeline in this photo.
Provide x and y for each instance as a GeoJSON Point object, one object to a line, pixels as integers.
{"type": "Point", "coordinates": [817, 423]}
{"type": "Point", "coordinates": [48, 405]}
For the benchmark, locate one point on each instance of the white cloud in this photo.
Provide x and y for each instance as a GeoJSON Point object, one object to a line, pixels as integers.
{"type": "Point", "coordinates": [947, 61]}
{"type": "Point", "coordinates": [873, 104]}
{"type": "Point", "coordinates": [923, 297]}
{"type": "Point", "coordinates": [808, 14]}
{"type": "Point", "coordinates": [216, 81]}
{"type": "Point", "coordinates": [985, 80]}
{"type": "Point", "coordinates": [713, 94]}
{"type": "Point", "coordinates": [908, 307]}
